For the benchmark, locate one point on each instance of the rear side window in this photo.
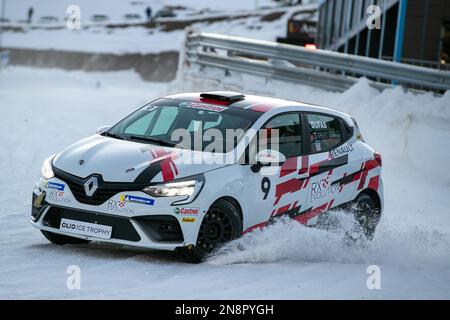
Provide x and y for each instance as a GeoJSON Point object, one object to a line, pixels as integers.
{"type": "Point", "coordinates": [324, 132]}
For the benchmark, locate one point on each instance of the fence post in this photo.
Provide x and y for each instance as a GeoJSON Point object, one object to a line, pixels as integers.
{"type": "Point", "coordinates": [398, 51]}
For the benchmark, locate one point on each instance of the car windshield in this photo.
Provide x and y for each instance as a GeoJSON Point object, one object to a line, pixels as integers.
{"type": "Point", "coordinates": [184, 124]}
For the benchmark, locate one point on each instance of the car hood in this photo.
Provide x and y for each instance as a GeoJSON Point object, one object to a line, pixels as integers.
{"type": "Point", "coordinates": [126, 161]}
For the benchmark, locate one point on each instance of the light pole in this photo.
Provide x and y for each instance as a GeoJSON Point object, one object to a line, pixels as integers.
{"type": "Point", "coordinates": [398, 50]}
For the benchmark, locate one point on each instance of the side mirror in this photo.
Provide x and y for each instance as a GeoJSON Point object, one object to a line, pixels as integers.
{"type": "Point", "coordinates": [268, 158]}
{"type": "Point", "coordinates": [102, 129]}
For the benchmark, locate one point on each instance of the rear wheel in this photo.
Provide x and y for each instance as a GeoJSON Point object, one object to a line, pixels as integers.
{"type": "Point", "coordinates": [221, 224]}
{"type": "Point", "coordinates": [62, 239]}
{"type": "Point", "coordinates": [367, 214]}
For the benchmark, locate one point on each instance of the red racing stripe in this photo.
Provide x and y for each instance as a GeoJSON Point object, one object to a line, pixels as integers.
{"type": "Point", "coordinates": [363, 179]}
{"type": "Point", "coordinates": [257, 226]}
{"type": "Point", "coordinates": [306, 183]}
{"type": "Point", "coordinates": [374, 183]}
{"type": "Point", "coordinates": [330, 204]}
{"type": "Point", "coordinates": [342, 185]}
{"type": "Point", "coordinates": [288, 167]}
{"type": "Point", "coordinates": [166, 159]}
{"type": "Point", "coordinates": [305, 217]}
{"type": "Point", "coordinates": [282, 210]}
{"type": "Point", "coordinates": [285, 209]}
{"type": "Point", "coordinates": [305, 165]}
{"type": "Point", "coordinates": [368, 165]}
{"type": "Point", "coordinates": [315, 167]}
{"type": "Point", "coordinates": [357, 176]}
{"type": "Point", "coordinates": [289, 186]}
{"type": "Point", "coordinates": [217, 102]}
{"type": "Point", "coordinates": [262, 107]}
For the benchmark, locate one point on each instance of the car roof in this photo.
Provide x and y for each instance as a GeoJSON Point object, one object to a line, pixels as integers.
{"type": "Point", "coordinates": [255, 103]}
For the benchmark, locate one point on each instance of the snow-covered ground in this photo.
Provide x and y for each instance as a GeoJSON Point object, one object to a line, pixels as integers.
{"type": "Point", "coordinates": [96, 37]}
{"type": "Point", "coordinates": [45, 110]}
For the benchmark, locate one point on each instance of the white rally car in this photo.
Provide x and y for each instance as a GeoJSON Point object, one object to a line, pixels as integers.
{"type": "Point", "coordinates": [154, 181]}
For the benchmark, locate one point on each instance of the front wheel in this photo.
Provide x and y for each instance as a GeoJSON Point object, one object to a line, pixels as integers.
{"type": "Point", "coordinates": [221, 224]}
{"type": "Point", "coordinates": [367, 214]}
{"type": "Point", "coordinates": [62, 239]}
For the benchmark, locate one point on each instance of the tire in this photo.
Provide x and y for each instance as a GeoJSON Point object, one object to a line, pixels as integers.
{"type": "Point", "coordinates": [60, 239]}
{"type": "Point", "coordinates": [367, 214]}
{"type": "Point", "coordinates": [221, 224]}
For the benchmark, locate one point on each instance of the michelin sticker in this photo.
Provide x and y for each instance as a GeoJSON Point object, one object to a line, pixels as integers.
{"type": "Point", "coordinates": [55, 186]}
{"type": "Point", "coordinates": [138, 200]}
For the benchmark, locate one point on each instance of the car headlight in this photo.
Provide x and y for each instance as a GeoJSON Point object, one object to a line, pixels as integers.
{"type": "Point", "coordinates": [190, 188]}
{"type": "Point", "coordinates": [47, 168]}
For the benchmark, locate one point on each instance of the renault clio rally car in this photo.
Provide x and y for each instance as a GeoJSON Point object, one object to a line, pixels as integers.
{"type": "Point", "coordinates": [142, 182]}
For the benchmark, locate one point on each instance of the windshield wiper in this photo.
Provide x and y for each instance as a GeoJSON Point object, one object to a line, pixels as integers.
{"type": "Point", "coordinates": [114, 135]}
{"type": "Point", "coordinates": [153, 140]}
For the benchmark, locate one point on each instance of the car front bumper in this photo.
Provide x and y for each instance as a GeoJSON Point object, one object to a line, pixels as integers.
{"type": "Point", "coordinates": [136, 218]}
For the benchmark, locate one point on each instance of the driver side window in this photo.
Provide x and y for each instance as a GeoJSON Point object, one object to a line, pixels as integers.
{"type": "Point", "coordinates": [289, 132]}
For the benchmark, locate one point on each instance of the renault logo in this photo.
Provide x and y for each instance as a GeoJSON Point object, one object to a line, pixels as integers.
{"type": "Point", "coordinates": [90, 186]}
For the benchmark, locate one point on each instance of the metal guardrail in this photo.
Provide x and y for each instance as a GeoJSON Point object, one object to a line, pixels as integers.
{"type": "Point", "coordinates": [325, 69]}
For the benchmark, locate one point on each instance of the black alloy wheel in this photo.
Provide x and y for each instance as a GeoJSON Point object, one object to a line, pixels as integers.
{"type": "Point", "coordinates": [221, 224]}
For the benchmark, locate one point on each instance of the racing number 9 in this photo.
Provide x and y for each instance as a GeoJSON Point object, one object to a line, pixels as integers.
{"type": "Point", "coordinates": [265, 187]}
